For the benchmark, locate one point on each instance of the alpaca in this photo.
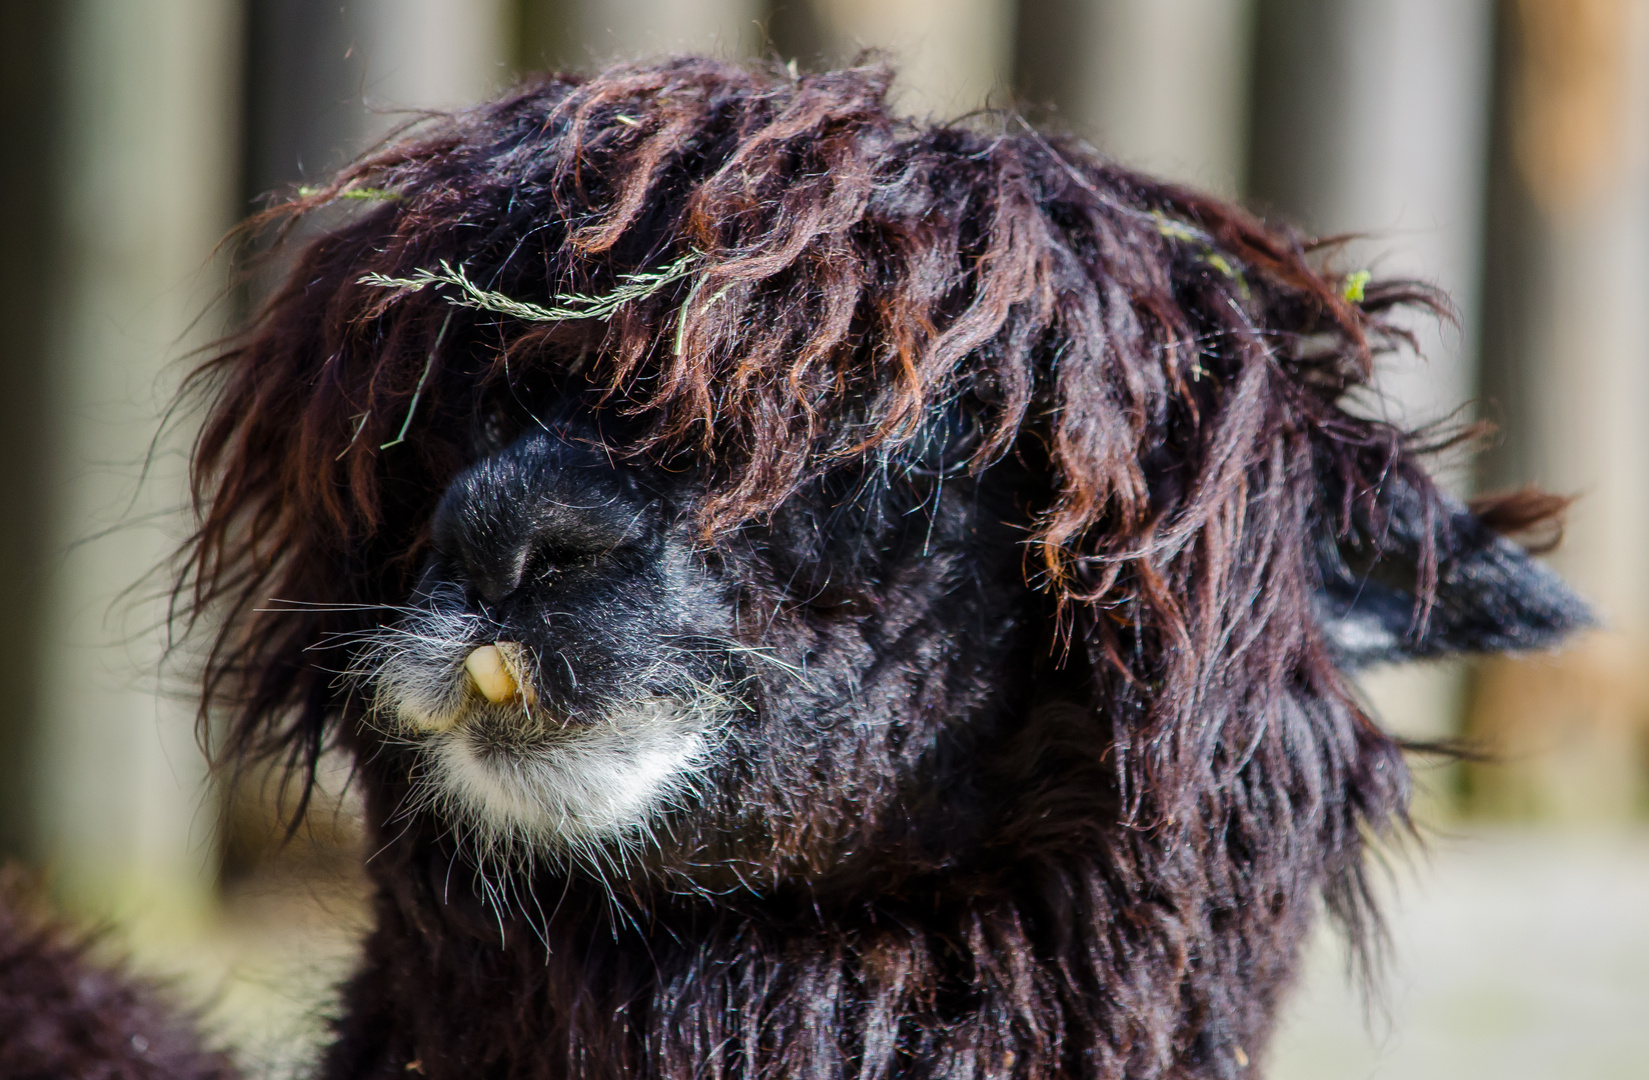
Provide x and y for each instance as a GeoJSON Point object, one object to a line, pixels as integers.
{"type": "Point", "coordinates": [64, 1016]}
{"type": "Point", "coordinates": [813, 593]}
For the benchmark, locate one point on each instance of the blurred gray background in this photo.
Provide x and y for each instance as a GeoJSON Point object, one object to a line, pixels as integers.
{"type": "Point", "coordinates": [1499, 148]}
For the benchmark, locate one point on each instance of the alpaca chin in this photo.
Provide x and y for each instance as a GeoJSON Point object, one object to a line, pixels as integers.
{"type": "Point", "coordinates": [520, 788]}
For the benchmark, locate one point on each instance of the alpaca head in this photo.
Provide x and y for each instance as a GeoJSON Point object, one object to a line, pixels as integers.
{"type": "Point", "coordinates": [702, 475]}
{"type": "Point", "coordinates": [576, 673]}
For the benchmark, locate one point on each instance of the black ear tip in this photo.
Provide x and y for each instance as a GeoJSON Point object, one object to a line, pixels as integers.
{"type": "Point", "coordinates": [1490, 596]}
{"type": "Point", "coordinates": [1510, 599]}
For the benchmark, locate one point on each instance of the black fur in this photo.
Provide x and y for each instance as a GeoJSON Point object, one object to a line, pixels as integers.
{"type": "Point", "coordinates": [1487, 594]}
{"type": "Point", "coordinates": [66, 1016]}
{"type": "Point", "coordinates": [907, 857]}
{"type": "Point", "coordinates": [927, 595]}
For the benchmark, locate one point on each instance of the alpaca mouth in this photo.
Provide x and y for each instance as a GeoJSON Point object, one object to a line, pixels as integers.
{"type": "Point", "coordinates": [519, 761]}
{"type": "Point", "coordinates": [520, 783]}
{"type": "Point", "coordinates": [499, 674]}
{"type": "Point", "coordinates": [508, 729]}
{"type": "Point", "coordinates": [519, 769]}
{"type": "Point", "coordinates": [492, 693]}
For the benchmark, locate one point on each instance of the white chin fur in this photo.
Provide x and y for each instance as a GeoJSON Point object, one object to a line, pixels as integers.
{"type": "Point", "coordinates": [513, 781]}
{"type": "Point", "coordinates": [572, 789]}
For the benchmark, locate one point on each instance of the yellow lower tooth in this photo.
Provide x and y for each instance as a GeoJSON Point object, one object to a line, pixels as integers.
{"type": "Point", "coordinates": [491, 675]}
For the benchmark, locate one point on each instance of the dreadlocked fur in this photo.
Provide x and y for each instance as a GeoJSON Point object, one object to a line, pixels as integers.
{"type": "Point", "coordinates": [67, 1014]}
{"type": "Point", "coordinates": [1009, 508]}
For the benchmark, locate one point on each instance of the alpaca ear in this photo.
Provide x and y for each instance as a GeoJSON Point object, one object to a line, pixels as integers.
{"type": "Point", "coordinates": [1489, 594]}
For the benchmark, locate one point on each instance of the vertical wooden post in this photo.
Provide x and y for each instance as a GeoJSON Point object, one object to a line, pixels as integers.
{"type": "Point", "coordinates": [30, 54]}
{"type": "Point", "coordinates": [324, 79]}
{"type": "Point", "coordinates": [952, 55]}
{"type": "Point", "coordinates": [145, 184]}
{"type": "Point", "coordinates": [1374, 119]}
{"type": "Point", "coordinates": [582, 33]}
{"type": "Point", "coordinates": [1161, 85]}
{"type": "Point", "coordinates": [1566, 328]}
{"type": "Point", "coordinates": [431, 54]}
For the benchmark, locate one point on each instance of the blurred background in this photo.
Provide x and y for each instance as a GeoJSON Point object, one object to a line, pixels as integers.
{"type": "Point", "coordinates": [1499, 148]}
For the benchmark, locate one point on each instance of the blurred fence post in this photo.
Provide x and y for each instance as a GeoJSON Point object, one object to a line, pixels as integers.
{"type": "Point", "coordinates": [30, 52]}
{"type": "Point", "coordinates": [951, 55]}
{"type": "Point", "coordinates": [1160, 85]}
{"type": "Point", "coordinates": [144, 183]}
{"type": "Point", "coordinates": [580, 33]}
{"type": "Point", "coordinates": [1567, 343]}
{"type": "Point", "coordinates": [433, 54]}
{"type": "Point", "coordinates": [324, 79]}
{"type": "Point", "coordinates": [1374, 119]}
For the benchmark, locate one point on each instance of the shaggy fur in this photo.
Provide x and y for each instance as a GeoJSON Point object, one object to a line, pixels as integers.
{"type": "Point", "coordinates": [64, 1017]}
{"type": "Point", "coordinates": [930, 558]}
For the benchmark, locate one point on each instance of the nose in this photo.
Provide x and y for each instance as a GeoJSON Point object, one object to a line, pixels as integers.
{"type": "Point", "coordinates": [543, 503]}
